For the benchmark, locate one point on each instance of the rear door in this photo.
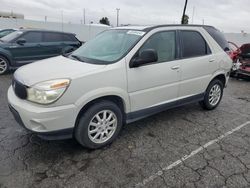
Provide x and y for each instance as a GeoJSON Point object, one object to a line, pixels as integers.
{"type": "Point", "coordinates": [53, 42]}
{"type": "Point", "coordinates": [31, 50]}
{"type": "Point", "coordinates": [197, 63]}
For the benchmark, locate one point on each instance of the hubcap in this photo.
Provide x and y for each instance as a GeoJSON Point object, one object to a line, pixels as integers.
{"type": "Point", "coordinates": [3, 65]}
{"type": "Point", "coordinates": [215, 95]}
{"type": "Point", "coordinates": [102, 126]}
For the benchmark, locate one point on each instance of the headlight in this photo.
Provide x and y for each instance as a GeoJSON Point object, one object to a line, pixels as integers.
{"type": "Point", "coordinates": [47, 92]}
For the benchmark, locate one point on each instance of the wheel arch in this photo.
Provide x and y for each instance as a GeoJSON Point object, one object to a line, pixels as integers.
{"type": "Point", "coordinates": [118, 100]}
{"type": "Point", "coordinates": [7, 56]}
{"type": "Point", "coordinates": [221, 77]}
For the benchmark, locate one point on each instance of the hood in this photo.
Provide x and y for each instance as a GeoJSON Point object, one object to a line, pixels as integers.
{"type": "Point", "coordinates": [53, 68]}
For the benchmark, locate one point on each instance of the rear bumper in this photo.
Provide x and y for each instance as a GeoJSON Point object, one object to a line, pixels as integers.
{"type": "Point", "coordinates": [242, 72]}
{"type": "Point", "coordinates": [53, 123]}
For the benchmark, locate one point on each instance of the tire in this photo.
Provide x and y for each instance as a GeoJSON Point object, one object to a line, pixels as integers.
{"type": "Point", "coordinates": [88, 121]}
{"type": "Point", "coordinates": [211, 101]}
{"type": "Point", "coordinates": [4, 65]}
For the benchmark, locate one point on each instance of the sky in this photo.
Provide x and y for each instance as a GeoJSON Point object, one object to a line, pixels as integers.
{"type": "Point", "coordinates": [226, 15]}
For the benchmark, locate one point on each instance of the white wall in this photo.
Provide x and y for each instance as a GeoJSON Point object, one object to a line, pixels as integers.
{"type": "Point", "coordinates": [83, 32]}
{"type": "Point", "coordinates": [238, 38]}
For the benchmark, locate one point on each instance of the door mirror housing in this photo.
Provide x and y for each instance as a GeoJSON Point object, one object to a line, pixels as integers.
{"type": "Point", "coordinates": [146, 56]}
{"type": "Point", "coordinates": [21, 41]}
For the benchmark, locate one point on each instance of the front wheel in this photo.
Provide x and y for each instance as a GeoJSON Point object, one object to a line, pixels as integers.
{"type": "Point", "coordinates": [4, 65]}
{"type": "Point", "coordinates": [99, 125]}
{"type": "Point", "coordinates": [213, 95]}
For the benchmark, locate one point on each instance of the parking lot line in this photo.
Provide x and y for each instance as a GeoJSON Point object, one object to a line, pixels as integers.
{"type": "Point", "coordinates": [176, 163]}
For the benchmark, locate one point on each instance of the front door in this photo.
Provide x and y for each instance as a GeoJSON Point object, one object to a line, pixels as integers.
{"type": "Point", "coordinates": [29, 51]}
{"type": "Point", "coordinates": [157, 83]}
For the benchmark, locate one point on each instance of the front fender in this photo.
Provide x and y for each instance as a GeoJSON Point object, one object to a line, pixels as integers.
{"type": "Point", "coordinates": [102, 92]}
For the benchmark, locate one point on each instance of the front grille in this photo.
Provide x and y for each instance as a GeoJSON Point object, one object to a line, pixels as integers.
{"type": "Point", "coordinates": [19, 89]}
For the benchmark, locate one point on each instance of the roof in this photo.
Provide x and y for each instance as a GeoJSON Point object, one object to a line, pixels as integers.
{"type": "Point", "coordinates": [149, 28]}
{"type": "Point", "coordinates": [27, 29]}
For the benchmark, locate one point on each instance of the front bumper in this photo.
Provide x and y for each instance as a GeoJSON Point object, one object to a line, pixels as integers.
{"type": "Point", "coordinates": [50, 123]}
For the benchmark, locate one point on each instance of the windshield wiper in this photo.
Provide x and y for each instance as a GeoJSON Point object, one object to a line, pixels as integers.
{"type": "Point", "coordinates": [77, 58]}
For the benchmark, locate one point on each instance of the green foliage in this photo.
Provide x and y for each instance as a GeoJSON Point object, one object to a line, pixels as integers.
{"type": "Point", "coordinates": [185, 19]}
{"type": "Point", "coordinates": [104, 20]}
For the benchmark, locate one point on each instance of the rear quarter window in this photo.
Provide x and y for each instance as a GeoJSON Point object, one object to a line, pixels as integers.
{"type": "Point", "coordinates": [218, 37]}
{"type": "Point", "coordinates": [69, 38]}
{"type": "Point", "coordinates": [52, 37]}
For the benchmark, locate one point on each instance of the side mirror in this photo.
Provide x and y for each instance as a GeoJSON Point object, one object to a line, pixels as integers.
{"type": "Point", "coordinates": [145, 57]}
{"type": "Point", "coordinates": [21, 41]}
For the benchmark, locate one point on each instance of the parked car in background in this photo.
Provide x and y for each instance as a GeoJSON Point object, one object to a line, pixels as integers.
{"type": "Point", "coordinates": [26, 46]}
{"type": "Point", "coordinates": [5, 32]}
{"type": "Point", "coordinates": [241, 60]}
{"type": "Point", "coordinates": [122, 75]}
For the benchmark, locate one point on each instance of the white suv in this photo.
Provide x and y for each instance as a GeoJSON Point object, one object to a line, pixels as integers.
{"type": "Point", "coordinates": [122, 75]}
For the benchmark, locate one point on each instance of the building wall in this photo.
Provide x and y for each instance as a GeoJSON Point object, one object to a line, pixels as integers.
{"type": "Point", "coordinates": [83, 32]}
{"type": "Point", "coordinates": [238, 38]}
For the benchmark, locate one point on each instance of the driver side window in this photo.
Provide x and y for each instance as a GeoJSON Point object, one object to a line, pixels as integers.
{"type": "Point", "coordinates": [164, 44]}
{"type": "Point", "coordinates": [32, 37]}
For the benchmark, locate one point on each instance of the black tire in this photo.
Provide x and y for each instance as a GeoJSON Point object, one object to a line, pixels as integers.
{"type": "Point", "coordinates": [205, 104]}
{"type": "Point", "coordinates": [3, 60]}
{"type": "Point", "coordinates": [81, 130]}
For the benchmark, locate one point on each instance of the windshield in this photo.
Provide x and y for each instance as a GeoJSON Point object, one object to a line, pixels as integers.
{"type": "Point", "coordinates": [11, 36]}
{"type": "Point", "coordinates": [107, 47]}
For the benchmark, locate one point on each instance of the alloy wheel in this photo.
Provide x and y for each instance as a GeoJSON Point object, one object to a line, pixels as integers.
{"type": "Point", "coordinates": [3, 65]}
{"type": "Point", "coordinates": [215, 95]}
{"type": "Point", "coordinates": [102, 126]}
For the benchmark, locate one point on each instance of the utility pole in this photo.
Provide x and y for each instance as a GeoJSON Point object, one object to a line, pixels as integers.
{"type": "Point", "coordinates": [203, 22]}
{"type": "Point", "coordinates": [83, 14]}
{"type": "Point", "coordinates": [45, 18]}
{"type": "Point", "coordinates": [117, 16]}
{"type": "Point", "coordinates": [184, 12]}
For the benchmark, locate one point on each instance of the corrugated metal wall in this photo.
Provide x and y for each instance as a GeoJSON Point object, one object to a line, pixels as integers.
{"type": "Point", "coordinates": [83, 32]}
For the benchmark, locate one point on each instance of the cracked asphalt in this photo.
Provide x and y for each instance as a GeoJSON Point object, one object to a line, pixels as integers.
{"type": "Point", "coordinates": [142, 149]}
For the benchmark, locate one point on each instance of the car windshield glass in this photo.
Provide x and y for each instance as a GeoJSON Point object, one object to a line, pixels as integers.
{"type": "Point", "coordinates": [108, 47]}
{"type": "Point", "coordinates": [11, 36]}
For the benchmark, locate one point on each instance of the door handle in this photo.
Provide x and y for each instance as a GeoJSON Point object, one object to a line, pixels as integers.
{"type": "Point", "coordinates": [211, 60]}
{"type": "Point", "coordinates": [175, 67]}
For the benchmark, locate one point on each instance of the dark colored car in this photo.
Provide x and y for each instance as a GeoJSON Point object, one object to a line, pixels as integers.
{"type": "Point", "coordinates": [5, 32]}
{"type": "Point", "coordinates": [26, 46]}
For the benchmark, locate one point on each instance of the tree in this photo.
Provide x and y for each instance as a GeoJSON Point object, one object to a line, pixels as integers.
{"type": "Point", "coordinates": [104, 20]}
{"type": "Point", "coordinates": [185, 19]}
{"type": "Point", "coordinates": [184, 12]}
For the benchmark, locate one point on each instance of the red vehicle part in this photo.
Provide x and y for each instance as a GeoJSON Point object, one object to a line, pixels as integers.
{"type": "Point", "coordinates": [241, 55]}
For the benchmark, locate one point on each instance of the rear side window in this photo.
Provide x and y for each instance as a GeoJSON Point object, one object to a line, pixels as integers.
{"type": "Point", "coordinates": [218, 37]}
{"type": "Point", "coordinates": [52, 37]}
{"type": "Point", "coordinates": [32, 37]}
{"type": "Point", "coordinates": [193, 44]}
{"type": "Point", "coordinates": [69, 38]}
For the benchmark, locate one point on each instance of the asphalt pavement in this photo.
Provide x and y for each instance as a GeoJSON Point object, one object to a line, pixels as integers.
{"type": "Point", "coordinates": [182, 147]}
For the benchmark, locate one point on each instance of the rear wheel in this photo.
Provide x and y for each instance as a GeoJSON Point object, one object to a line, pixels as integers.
{"type": "Point", "coordinates": [213, 95]}
{"type": "Point", "coordinates": [99, 125]}
{"type": "Point", "coordinates": [4, 65]}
